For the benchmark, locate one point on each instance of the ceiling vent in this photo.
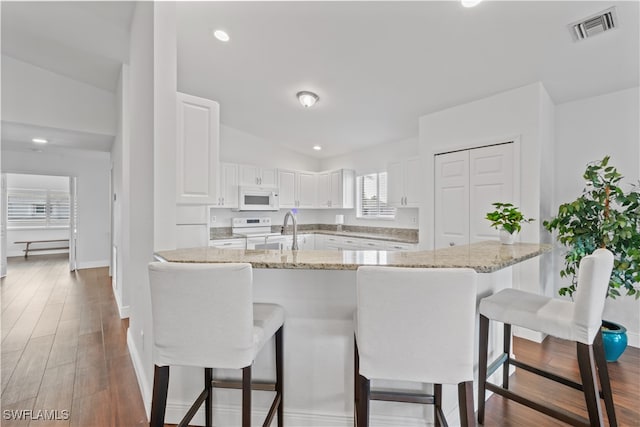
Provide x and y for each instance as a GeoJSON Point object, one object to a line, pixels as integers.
{"type": "Point", "coordinates": [595, 24]}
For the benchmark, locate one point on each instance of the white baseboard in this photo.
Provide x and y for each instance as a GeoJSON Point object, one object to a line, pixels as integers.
{"type": "Point", "coordinates": [92, 264]}
{"type": "Point", "coordinates": [229, 415]}
{"type": "Point", "coordinates": [123, 310]}
{"type": "Point", "coordinates": [633, 339]}
{"type": "Point", "coordinates": [138, 367]}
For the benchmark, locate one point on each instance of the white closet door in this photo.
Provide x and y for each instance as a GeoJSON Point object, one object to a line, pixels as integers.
{"type": "Point", "coordinates": [491, 180]}
{"type": "Point", "coordinates": [451, 199]}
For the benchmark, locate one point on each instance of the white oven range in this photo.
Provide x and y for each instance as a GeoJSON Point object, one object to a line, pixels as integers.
{"type": "Point", "coordinates": [257, 233]}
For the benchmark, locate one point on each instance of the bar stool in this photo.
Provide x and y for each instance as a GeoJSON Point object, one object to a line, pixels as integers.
{"type": "Point", "coordinates": [577, 320]}
{"type": "Point", "coordinates": [204, 316]}
{"type": "Point", "coordinates": [415, 324]}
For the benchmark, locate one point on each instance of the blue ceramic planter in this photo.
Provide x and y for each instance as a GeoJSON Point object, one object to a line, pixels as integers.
{"type": "Point", "coordinates": [614, 338]}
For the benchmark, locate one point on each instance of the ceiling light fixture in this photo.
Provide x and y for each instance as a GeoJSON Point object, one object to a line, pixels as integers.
{"type": "Point", "coordinates": [307, 99]}
{"type": "Point", "coordinates": [317, 147]}
{"type": "Point", "coordinates": [221, 35]}
{"type": "Point", "coordinates": [39, 140]}
{"type": "Point", "coordinates": [470, 3]}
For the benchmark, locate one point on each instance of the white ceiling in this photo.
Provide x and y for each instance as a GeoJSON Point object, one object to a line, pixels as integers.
{"type": "Point", "coordinates": [18, 136]}
{"type": "Point", "coordinates": [378, 66]}
{"type": "Point", "coordinates": [86, 41]}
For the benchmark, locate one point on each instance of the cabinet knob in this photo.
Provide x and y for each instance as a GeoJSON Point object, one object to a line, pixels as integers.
{"type": "Point", "coordinates": [452, 243]}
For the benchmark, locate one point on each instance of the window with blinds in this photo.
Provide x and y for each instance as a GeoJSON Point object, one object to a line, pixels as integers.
{"type": "Point", "coordinates": [37, 208]}
{"type": "Point", "coordinates": [372, 197]}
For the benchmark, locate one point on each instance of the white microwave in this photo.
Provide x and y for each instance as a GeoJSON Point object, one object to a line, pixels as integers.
{"type": "Point", "coordinates": [258, 199]}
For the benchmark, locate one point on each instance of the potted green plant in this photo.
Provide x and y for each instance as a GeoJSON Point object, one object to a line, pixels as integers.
{"type": "Point", "coordinates": [603, 216]}
{"type": "Point", "coordinates": [508, 219]}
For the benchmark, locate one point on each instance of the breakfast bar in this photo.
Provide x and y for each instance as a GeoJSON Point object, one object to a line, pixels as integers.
{"type": "Point", "coordinates": [317, 291]}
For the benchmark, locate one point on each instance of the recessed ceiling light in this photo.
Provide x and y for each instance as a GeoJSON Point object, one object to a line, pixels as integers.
{"type": "Point", "coordinates": [470, 3]}
{"type": "Point", "coordinates": [317, 147]}
{"type": "Point", "coordinates": [307, 99]}
{"type": "Point", "coordinates": [221, 35]}
{"type": "Point", "coordinates": [39, 140]}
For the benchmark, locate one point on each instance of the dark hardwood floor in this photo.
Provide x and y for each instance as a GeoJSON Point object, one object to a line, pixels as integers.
{"type": "Point", "coordinates": [64, 348]}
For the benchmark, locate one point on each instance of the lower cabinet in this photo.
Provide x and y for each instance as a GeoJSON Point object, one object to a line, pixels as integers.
{"type": "Point", "coordinates": [228, 243]}
{"type": "Point", "coordinates": [333, 242]}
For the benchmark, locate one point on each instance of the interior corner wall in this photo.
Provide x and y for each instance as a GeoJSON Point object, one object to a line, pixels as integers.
{"type": "Point", "coordinates": [92, 171]}
{"type": "Point", "coordinates": [237, 146]}
{"type": "Point", "coordinates": [587, 130]}
{"type": "Point", "coordinates": [120, 194]}
{"type": "Point", "coordinates": [375, 158]}
{"type": "Point", "coordinates": [41, 97]}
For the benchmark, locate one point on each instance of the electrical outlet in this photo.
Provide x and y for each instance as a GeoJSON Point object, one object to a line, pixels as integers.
{"type": "Point", "coordinates": [414, 220]}
{"type": "Point", "coordinates": [213, 219]}
{"type": "Point", "coordinates": [142, 338]}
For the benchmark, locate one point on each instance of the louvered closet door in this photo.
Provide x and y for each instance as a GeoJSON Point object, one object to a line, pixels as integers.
{"type": "Point", "coordinates": [491, 180]}
{"type": "Point", "coordinates": [451, 199]}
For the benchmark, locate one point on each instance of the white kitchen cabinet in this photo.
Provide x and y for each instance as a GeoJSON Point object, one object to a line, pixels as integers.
{"type": "Point", "coordinates": [197, 149]}
{"type": "Point", "coordinates": [288, 193]}
{"type": "Point", "coordinates": [336, 189]}
{"type": "Point", "coordinates": [403, 183]}
{"type": "Point", "coordinates": [395, 246]}
{"type": "Point", "coordinates": [228, 243]}
{"type": "Point", "coordinates": [305, 242]}
{"type": "Point", "coordinates": [319, 242]}
{"type": "Point", "coordinates": [466, 183]}
{"type": "Point", "coordinates": [297, 189]}
{"type": "Point", "coordinates": [228, 188]}
{"type": "Point", "coordinates": [251, 175]}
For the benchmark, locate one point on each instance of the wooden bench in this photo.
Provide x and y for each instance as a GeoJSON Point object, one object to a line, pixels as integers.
{"type": "Point", "coordinates": [30, 242]}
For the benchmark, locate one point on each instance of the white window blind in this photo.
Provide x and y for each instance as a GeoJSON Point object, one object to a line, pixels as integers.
{"type": "Point", "coordinates": [37, 208]}
{"type": "Point", "coordinates": [372, 197]}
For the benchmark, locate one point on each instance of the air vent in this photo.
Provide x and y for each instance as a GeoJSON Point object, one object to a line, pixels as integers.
{"type": "Point", "coordinates": [595, 24]}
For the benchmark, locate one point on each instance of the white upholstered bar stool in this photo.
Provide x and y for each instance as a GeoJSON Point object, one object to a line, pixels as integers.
{"type": "Point", "coordinates": [204, 316]}
{"type": "Point", "coordinates": [577, 320]}
{"type": "Point", "coordinates": [400, 316]}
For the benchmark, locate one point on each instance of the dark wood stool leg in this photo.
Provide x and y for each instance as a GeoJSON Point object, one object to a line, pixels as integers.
{"type": "Point", "coordinates": [280, 375]}
{"type": "Point", "coordinates": [356, 386]}
{"type": "Point", "coordinates": [437, 404]}
{"type": "Point", "coordinates": [465, 404]}
{"type": "Point", "coordinates": [363, 411]}
{"type": "Point", "coordinates": [483, 340]}
{"type": "Point", "coordinates": [589, 383]}
{"type": "Point", "coordinates": [507, 350]}
{"type": "Point", "coordinates": [159, 400]}
{"type": "Point", "coordinates": [605, 384]}
{"type": "Point", "coordinates": [208, 409]}
{"type": "Point", "coordinates": [246, 396]}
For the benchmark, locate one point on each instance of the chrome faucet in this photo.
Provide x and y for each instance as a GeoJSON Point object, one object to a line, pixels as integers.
{"type": "Point", "coordinates": [294, 245]}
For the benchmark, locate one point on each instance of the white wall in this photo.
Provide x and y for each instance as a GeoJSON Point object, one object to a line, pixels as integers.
{"type": "Point", "coordinates": [139, 251]}
{"type": "Point", "coordinates": [524, 114]}
{"type": "Point", "coordinates": [120, 194]}
{"type": "Point", "coordinates": [40, 97]}
{"type": "Point", "coordinates": [39, 182]}
{"type": "Point", "coordinates": [92, 171]}
{"type": "Point", "coordinates": [237, 146]}
{"type": "Point", "coordinates": [587, 130]}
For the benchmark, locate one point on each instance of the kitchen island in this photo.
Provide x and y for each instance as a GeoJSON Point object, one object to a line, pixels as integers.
{"type": "Point", "coordinates": [317, 291]}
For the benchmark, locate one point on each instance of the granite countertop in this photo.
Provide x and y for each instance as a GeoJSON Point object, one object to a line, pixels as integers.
{"type": "Point", "coordinates": [483, 257]}
{"type": "Point", "coordinates": [389, 235]}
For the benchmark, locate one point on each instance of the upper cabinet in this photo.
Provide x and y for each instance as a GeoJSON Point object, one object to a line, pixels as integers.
{"type": "Point", "coordinates": [336, 189]}
{"type": "Point", "coordinates": [297, 189]}
{"type": "Point", "coordinates": [256, 176]}
{"type": "Point", "coordinates": [198, 145]}
{"type": "Point", "coordinates": [228, 195]}
{"type": "Point", "coordinates": [404, 180]}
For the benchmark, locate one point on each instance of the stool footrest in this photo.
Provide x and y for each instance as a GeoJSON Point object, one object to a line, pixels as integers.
{"type": "Point", "coordinates": [552, 411]}
{"type": "Point", "coordinates": [272, 410]}
{"type": "Point", "coordinates": [194, 408]}
{"type": "Point", "coordinates": [259, 386]}
{"type": "Point", "coordinates": [402, 396]}
{"type": "Point", "coordinates": [497, 363]}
